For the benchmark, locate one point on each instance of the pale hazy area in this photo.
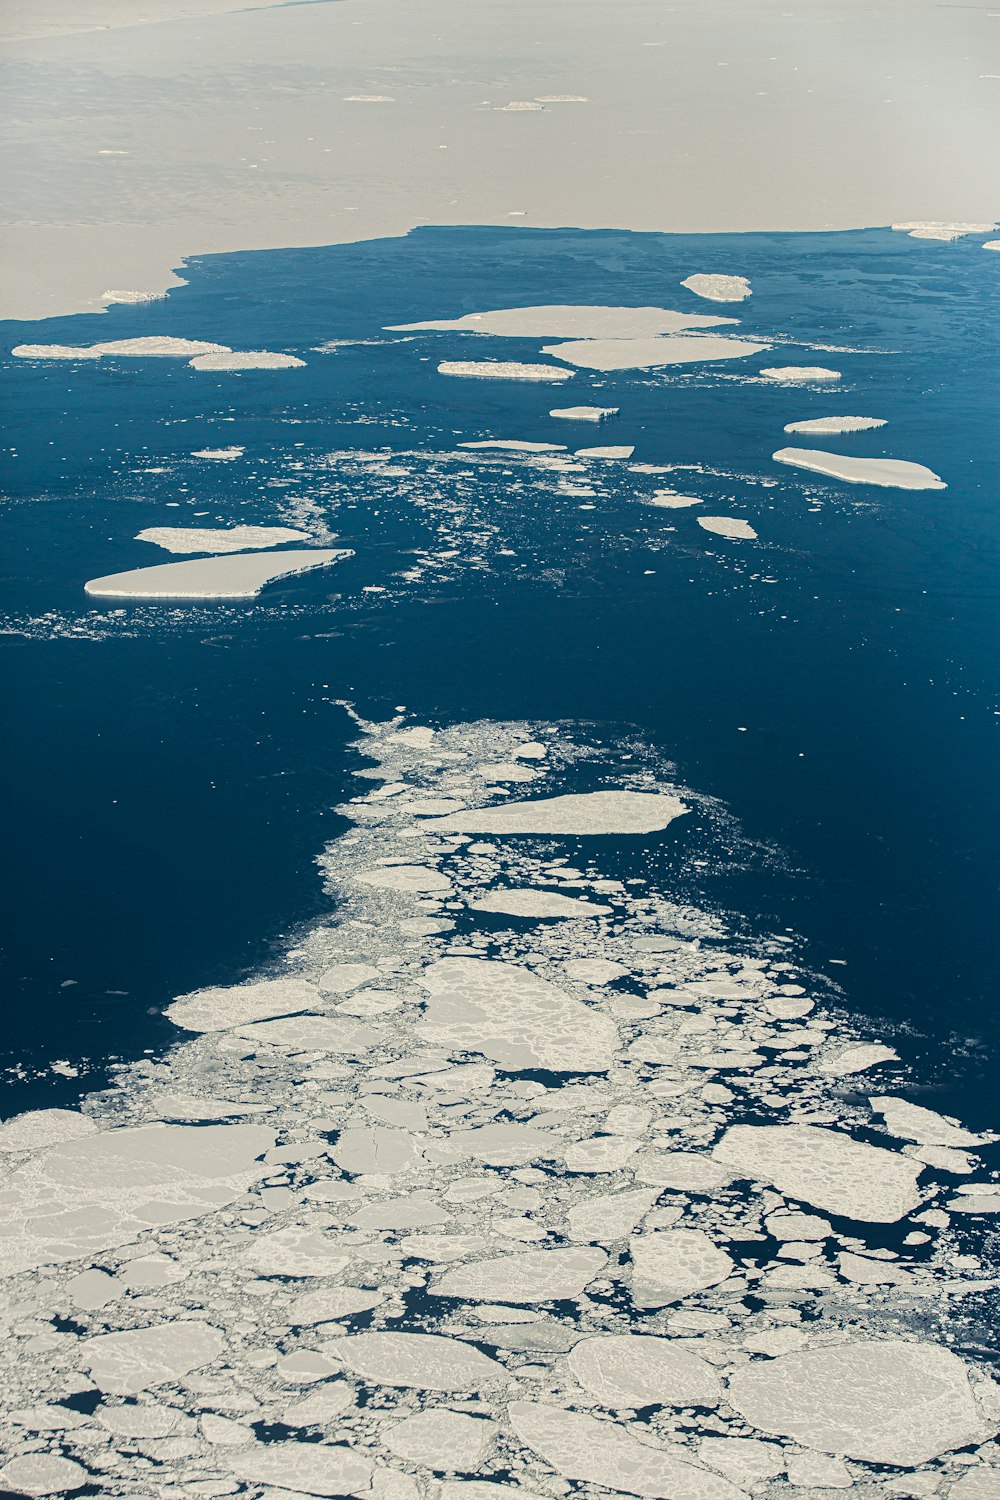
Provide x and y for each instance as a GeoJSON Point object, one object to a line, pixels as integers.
{"type": "Point", "coordinates": [139, 134]}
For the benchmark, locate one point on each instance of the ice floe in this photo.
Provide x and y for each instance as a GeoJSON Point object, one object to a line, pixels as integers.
{"type": "Point", "coordinates": [150, 347]}
{"type": "Point", "coordinates": [246, 359]}
{"type": "Point", "coordinates": [719, 288]}
{"type": "Point", "coordinates": [800, 374]}
{"type": "Point", "coordinates": [730, 526]}
{"type": "Point", "coordinates": [886, 1401]}
{"type": "Point", "coordinates": [824, 1168]}
{"type": "Point", "coordinates": [534, 903]}
{"type": "Point", "coordinates": [895, 473]}
{"type": "Point", "coordinates": [533, 1276]}
{"type": "Point", "coordinates": [497, 369]}
{"type": "Point", "coordinates": [424, 1361]}
{"type": "Point", "coordinates": [568, 322]}
{"type": "Point", "coordinates": [240, 576]}
{"type": "Point", "coordinates": [515, 445]}
{"type": "Point", "coordinates": [633, 1370]}
{"type": "Point", "coordinates": [586, 813]}
{"type": "Point", "coordinates": [669, 1264]}
{"type": "Point", "coordinates": [651, 353]}
{"type": "Point", "coordinates": [835, 424]}
{"type": "Point", "coordinates": [584, 413]}
{"type": "Point", "coordinates": [621, 452]}
{"type": "Point", "coordinates": [223, 455]}
{"type": "Point", "coordinates": [219, 539]}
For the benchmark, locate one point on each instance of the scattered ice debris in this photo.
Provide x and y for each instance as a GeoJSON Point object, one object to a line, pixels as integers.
{"type": "Point", "coordinates": [496, 369]}
{"type": "Point", "coordinates": [222, 454]}
{"type": "Point", "coordinates": [513, 445]}
{"type": "Point", "coordinates": [799, 374]}
{"type": "Point", "coordinates": [650, 353]}
{"type": "Point", "coordinates": [237, 577]}
{"type": "Point", "coordinates": [568, 322]}
{"type": "Point", "coordinates": [480, 1210]}
{"type": "Point", "coordinates": [585, 413]}
{"type": "Point", "coordinates": [895, 473]}
{"type": "Point", "coordinates": [835, 424]}
{"type": "Point", "coordinates": [719, 288]}
{"type": "Point", "coordinates": [886, 1401]}
{"type": "Point", "coordinates": [246, 359]}
{"type": "Point", "coordinates": [927, 229]}
{"type": "Point", "coordinates": [730, 526]}
{"type": "Point", "coordinates": [604, 452]}
{"type": "Point", "coordinates": [824, 1168]}
{"type": "Point", "coordinates": [590, 812]}
{"type": "Point", "coordinates": [219, 539]}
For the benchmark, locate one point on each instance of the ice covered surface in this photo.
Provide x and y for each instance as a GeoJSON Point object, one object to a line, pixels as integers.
{"type": "Point", "coordinates": [241, 576]}
{"type": "Point", "coordinates": [835, 424]}
{"type": "Point", "coordinates": [481, 1207]}
{"type": "Point", "coordinates": [219, 539]}
{"type": "Point", "coordinates": [498, 369]}
{"type": "Point", "coordinates": [719, 288]}
{"type": "Point", "coordinates": [896, 473]}
{"type": "Point", "coordinates": [651, 353]}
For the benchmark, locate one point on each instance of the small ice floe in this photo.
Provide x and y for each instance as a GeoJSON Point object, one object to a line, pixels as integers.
{"type": "Point", "coordinates": [223, 455]}
{"type": "Point", "coordinates": [926, 229]}
{"type": "Point", "coordinates": [561, 99]}
{"type": "Point", "coordinates": [420, 1361]}
{"type": "Point", "coordinates": [629, 1370]}
{"type": "Point", "coordinates": [43, 1474]}
{"type": "Point", "coordinates": [54, 351]}
{"type": "Point", "coordinates": [219, 539]}
{"type": "Point", "coordinates": [893, 473]}
{"type": "Point", "coordinates": [990, 245]}
{"type": "Point", "coordinates": [535, 903]}
{"type": "Point", "coordinates": [246, 359]}
{"type": "Point", "coordinates": [835, 424]}
{"type": "Point", "coordinates": [624, 452]}
{"type": "Point", "coordinates": [585, 413]}
{"type": "Point", "coordinates": [799, 374]}
{"type": "Point", "coordinates": [530, 1276]}
{"type": "Point", "coordinates": [647, 354]}
{"type": "Point", "coordinates": [730, 526]}
{"type": "Point", "coordinates": [496, 369]}
{"type": "Point", "coordinates": [514, 445]}
{"type": "Point", "coordinates": [719, 288]}
{"type": "Point", "coordinates": [132, 299]}
{"type": "Point", "coordinates": [241, 576]}
{"type": "Point", "coordinates": [567, 321]}
{"type": "Point", "coordinates": [576, 813]}
{"type": "Point", "coordinates": [671, 500]}
{"type": "Point", "coordinates": [519, 104]}
{"type": "Point", "coordinates": [882, 1400]}
{"type": "Point", "coordinates": [368, 99]}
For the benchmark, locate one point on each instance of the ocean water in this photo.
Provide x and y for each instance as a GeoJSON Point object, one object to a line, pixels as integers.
{"type": "Point", "coordinates": [173, 765]}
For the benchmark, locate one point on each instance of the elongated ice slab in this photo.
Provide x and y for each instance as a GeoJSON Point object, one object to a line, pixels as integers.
{"type": "Point", "coordinates": [649, 353]}
{"type": "Point", "coordinates": [153, 347]}
{"type": "Point", "coordinates": [239, 1005]}
{"type": "Point", "coordinates": [825, 1168]}
{"type": "Point", "coordinates": [929, 229]}
{"type": "Point", "coordinates": [584, 413]}
{"type": "Point", "coordinates": [497, 369]}
{"type": "Point", "coordinates": [515, 445]}
{"type": "Point", "coordinates": [835, 424]}
{"type": "Point", "coordinates": [575, 813]}
{"type": "Point", "coordinates": [719, 288]}
{"type": "Point", "coordinates": [730, 526]}
{"type": "Point", "coordinates": [622, 452]}
{"type": "Point", "coordinates": [568, 322]}
{"type": "Point", "coordinates": [219, 539]}
{"type": "Point", "coordinates": [223, 455]}
{"type": "Point", "coordinates": [241, 576]}
{"type": "Point", "coordinates": [894, 473]}
{"type": "Point", "coordinates": [886, 1401]}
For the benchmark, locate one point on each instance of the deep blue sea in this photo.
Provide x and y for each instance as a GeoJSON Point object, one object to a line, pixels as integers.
{"type": "Point", "coordinates": [171, 769]}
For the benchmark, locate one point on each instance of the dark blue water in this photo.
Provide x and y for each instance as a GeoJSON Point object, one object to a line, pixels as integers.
{"type": "Point", "coordinates": [170, 770]}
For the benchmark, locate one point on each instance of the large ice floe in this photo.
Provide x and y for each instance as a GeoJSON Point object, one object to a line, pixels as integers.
{"type": "Point", "coordinates": [238, 576]}
{"type": "Point", "coordinates": [219, 538]}
{"type": "Point", "coordinates": [517, 1175]}
{"type": "Point", "coordinates": [893, 473]}
{"type": "Point", "coordinates": [719, 288]}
